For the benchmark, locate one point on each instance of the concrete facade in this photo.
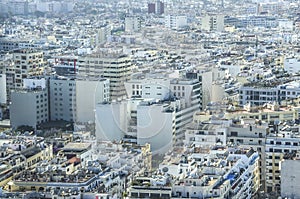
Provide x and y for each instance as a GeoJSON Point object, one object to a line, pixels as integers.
{"type": "Point", "coordinates": [29, 107]}
{"type": "Point", "coordinates": [89, 93]}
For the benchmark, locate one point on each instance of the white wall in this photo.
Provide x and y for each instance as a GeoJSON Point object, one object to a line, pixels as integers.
{"type": "Point", "coordinates": [3, 93]}
{"type": "Point", "coordinates": [285, 25]}
{"type": "Point", "coordinates": [34, 83]}
{"type": "Point", "coordinates": [175, 22]}
{"type": "Point", "coordinates": [290, 178]}
{"type": "Point", "coordinates": [218, 93]}
{"type": "Point", "coordinates": [291, 65]}
{"type": "Point", "coordinates": [88, 94]}
{"type": "Point", "coordinates": [111, 121]}
{"type": "Point", "coordinates": [155, 127]}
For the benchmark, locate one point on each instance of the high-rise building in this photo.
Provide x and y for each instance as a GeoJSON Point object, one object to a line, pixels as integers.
{"type": "Point", "coordinates": [175, 21]}
{"type": "Point", "coordinates": [278, 146]}
{"type": "Point", "coordinates": [26, 63]}
{"type": "Point", "coordinates": [212, 23]}
{"type": "Point", "coordinates": [157, 7]}
{"type": "Point", "coordinates": [29, 107]}
{"type": "Point", "coordinates": [62, 99]}
{"type": "Point", "coordinates": [132, 24]}
{"type": "Point", "coordinates": [103, 33]}
{"type": "Point", "coordinates": [139, 121]}
{"type": "Point", "coordinates": [151, 8]}
{"type": "Point", "coordinates": [113, 65]}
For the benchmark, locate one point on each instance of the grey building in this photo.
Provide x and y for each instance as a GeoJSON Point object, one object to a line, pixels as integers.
{"type": "Point", "coordinates": [62, 99]}
{"type": "Point", "coordinates": [29, 107]}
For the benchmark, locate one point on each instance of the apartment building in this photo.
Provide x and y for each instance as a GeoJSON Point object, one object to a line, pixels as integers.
{"type": "Point", "coordinates": [29, 107]}
{"type": "Point", "coordinates": [103, 33]}
{"type": "Point", "coordinates": [212, 23]}
{"type": "Point", "coordinates": [251, 134]}
{"type": "Point", "coordinates": [139, 121]}
{"type": "Point", "coordinates": [27, 63]}
{"type": "Point", "coordinates": [112, 65]}
{"type": "Point", "coordinates": [259, 94]}
{"type": "Point", "coordinates": [214, 172]}
{"type": "Point", "coordinates": [279, 146]}
{"type": "Point", "coordinates": [175, 22]}
{"type": "Point", "coordinates": [62, 99]}
{"type": "Point", "coordinates": [132, 24]}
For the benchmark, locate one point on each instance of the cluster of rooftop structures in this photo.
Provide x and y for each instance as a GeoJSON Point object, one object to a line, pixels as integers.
{"type": "Point", "coordinates": [159, 99]}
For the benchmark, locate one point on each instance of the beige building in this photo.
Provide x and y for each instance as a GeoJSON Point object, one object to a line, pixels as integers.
{"type": "Point", "coordinates": [282, 145]}
{"type": "Point", "coordinates": [27, 62]}
{"type": "Point", "coordinates": [112, 65]}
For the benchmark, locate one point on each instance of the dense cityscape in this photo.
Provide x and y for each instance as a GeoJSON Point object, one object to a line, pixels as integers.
{"type": "Point", "coordinates": [108, 99]}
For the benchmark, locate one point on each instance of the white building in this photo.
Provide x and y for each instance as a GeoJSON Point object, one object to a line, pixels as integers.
{"type": "Point", "coordinates": [103, 33]}
{"type": "Point", "coordinates": [290, 176]}
{"type": "Point", "coordinates": [175, 21]}
{"type": "Point", "coordinates": [132, 24]}
{"type": "Point", "coordinates": [217, 172]}
{"type": "Point", "coordinates": [154, 88]}
{"type": "Point", "coordinates": [187, 92]}
{"type": "Point", "coordinates": [3, 94]}
{"type": "Point", "coordinates": [285, 25]}
{"type": "Point", "coordinates": [114, 114]}
{"type": "Point", "coordinates": [205, 135]}
{"type": "Point", "coordinates": [139, 121]}
{"type": "Point", "coordinates": [156, 126]}
{"type": "Point", "coordinates": [90, 92]}
{"type": "Point", "coordinates": [207, 90]}
{"type": "Point", "coordinates": [54, 6]}
{"type": "Point", "coordinates": [291, 65]}
{"type": "Point", "coordinates": [259, 94]}
{"type": "Point", "coordinates": [212, 23]}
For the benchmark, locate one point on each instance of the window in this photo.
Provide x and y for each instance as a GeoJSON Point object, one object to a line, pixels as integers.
{"type": "Point", "coordinates": [234, 133]}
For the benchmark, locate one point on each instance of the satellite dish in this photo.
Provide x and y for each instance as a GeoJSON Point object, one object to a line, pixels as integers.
{"type": "Point", "coordinates": [165, 169]}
